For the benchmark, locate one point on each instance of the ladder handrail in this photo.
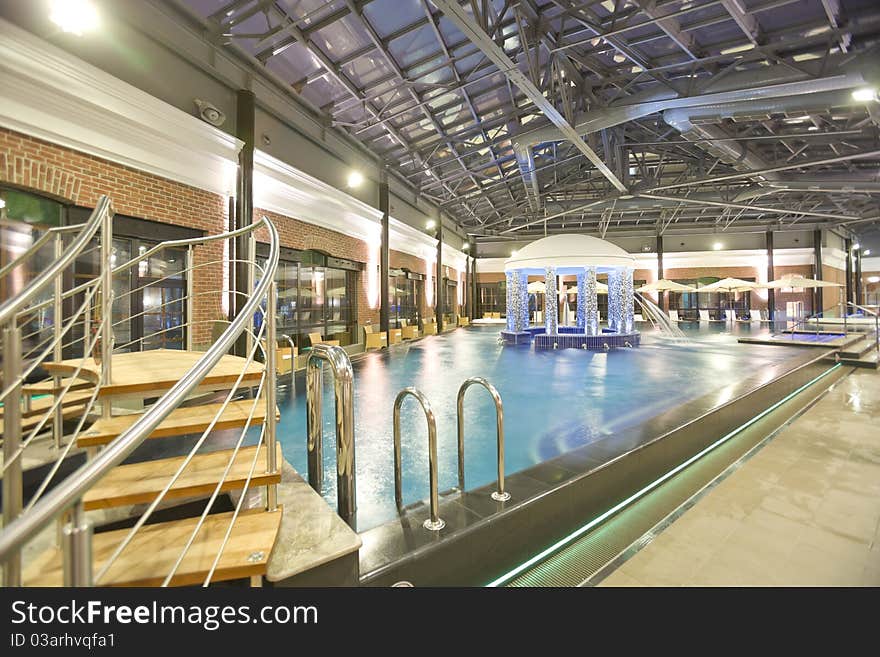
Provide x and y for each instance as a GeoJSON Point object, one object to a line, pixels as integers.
{"type": "Point", "coordinates": [434, 522]}
{"type": "Point", "coordinates": [876, 323]}
{"type": "Point", "coordinates": [67, 493]}
{"type": "Point", "coordinates": [343, 377]}
{"type": "Point", "coordinates": [500, 495]}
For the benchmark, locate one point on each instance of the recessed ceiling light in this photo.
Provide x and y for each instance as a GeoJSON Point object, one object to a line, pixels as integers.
{"type": "Point", "coordinates": [74, 16]}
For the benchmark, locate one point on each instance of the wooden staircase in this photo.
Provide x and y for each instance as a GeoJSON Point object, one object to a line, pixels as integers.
{"type": "Point", "coordinates": [149, 557]}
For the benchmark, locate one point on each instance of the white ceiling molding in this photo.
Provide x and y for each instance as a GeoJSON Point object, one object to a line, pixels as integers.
{"type": "Point", "coordinates": [282, 188]}
{"type": "Point", "coordinates": [49, 94]}
{"type": "Point", "coordinates": [834, 257]}
{"type": "Point", "coordinates": [871, 264]}
{"type": "Point", "coordinates": [692, 259]}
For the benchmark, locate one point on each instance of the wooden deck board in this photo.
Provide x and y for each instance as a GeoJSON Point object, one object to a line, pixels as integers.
{"type": "Point", "coordinates": [150, 556]}
{"type": "Point", "coordinates": [157, 369]}
{"type": "Point", "coordinates": [140, 483]}
{"type": "Point", "coordinates": [181, 421]}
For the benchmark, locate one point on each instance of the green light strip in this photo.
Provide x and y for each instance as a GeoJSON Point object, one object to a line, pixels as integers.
{"type": "Point", "coordinates": [617, 507]}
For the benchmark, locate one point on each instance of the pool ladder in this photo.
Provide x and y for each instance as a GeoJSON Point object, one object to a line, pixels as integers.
{"type": "Point", "coordinates": [434, 522]}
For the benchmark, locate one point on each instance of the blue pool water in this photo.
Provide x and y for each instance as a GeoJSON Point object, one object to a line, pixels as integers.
{"type": "Point", "coordinates": [554, 401]}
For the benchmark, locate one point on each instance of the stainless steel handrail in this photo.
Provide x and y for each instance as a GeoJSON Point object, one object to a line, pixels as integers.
{"type": "Point", "coordinates": [12, 306]}
{"type": "Point", "coordinates": [434, 523]}
{"type": "Point", "coordinates": [876, 324]}
{"type": "Point", "coordinates": [343, 379]}
{"type": "Point", "coordinates": [36, 246]}
{"type": "Point", "coordinates": [289, 340]}
{"type": "Point", "coordinates": [499, 495]}
{"type": "Point", "coordinates": [67, 493]}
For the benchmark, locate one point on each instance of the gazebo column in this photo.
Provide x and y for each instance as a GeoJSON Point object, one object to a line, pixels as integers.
{"type": "Point", "coordinates": [615, 300]}
{"type": "Point", "coordinates": [517, 301]}
{"type": "Point", "coordinates": [581, 300]}
{"type": "Point", "coordinates": [628, 301]}
{"type": "Point", "coordinates": [551, 302]}
{"type": "Point", "coordinates": [590, 301]}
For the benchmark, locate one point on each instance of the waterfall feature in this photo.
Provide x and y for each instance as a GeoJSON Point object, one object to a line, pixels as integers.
{"type": "Point", "coordinates": [661, 319]}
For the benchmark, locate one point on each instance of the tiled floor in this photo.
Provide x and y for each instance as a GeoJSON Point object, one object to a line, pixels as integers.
{"type": "Point", "coordinates": [803, 511]}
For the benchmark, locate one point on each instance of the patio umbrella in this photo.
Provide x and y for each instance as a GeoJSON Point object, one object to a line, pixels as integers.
{"type": "Point", "coordinates": [664, 285]}
{"type": "Point", "coordinates": [730, 285]}
{"type": "Point", "coordinates": [601, 288]}
{"type": "Point", "coordinates": [537, 287]}
{"type": "Point", "coordinates": [798, 281]}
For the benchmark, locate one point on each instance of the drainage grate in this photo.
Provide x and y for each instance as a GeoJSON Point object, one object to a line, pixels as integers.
{"type": "Point", "coordinates": [587, 560]}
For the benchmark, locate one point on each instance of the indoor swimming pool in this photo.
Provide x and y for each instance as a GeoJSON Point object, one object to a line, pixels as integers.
{"type": "Point", "coordinates": [554, 401]}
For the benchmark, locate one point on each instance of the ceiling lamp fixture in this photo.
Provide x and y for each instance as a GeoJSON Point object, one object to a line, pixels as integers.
{"type": "Point", "coordinates": [74, 16]}
{"type": "Point", "coordinates": [864, 95]}
{"type": "Point", "coordinates": [355, 179]}
{"type": "Point", "coordinates": [718, 246]}
{"type": "Point", "coordinates": [430, 224]}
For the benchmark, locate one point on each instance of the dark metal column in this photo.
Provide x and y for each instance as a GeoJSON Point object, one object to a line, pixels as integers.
{"type": "Point", "coordinates": [438, 283]}
{"type": "Point", "coordinates": [818, 300]}
{"type": "Point", "coordinates": [474, 289]}
{"type": "Point", "coordinates": [244, 202]}
{"type": "Point", "coordinates": [849, 273]}
{"type": "Point", "coordinates": [859, 277]}
{"type": "Point", "coordinates": [472, 282]}
{"type": "Point", "coordinates": [664, 296]}
{"type": "Point", "coordinates": [771, 294]}
{"type": "Point", "coordinates": [383, 257]}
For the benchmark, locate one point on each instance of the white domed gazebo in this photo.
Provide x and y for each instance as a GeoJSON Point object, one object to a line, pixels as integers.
{"type": "Point", "coordinates": [585, 257]}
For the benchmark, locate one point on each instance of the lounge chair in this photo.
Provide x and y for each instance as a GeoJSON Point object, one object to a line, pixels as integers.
{"type": "Point", "coordinates": [757, 315]}
{"type": "Point", "coordinates": [637, 317]}
{"type": "Point", "coordinates": [374, 340]}
{"type": "Point", "coordinates": [407, 331]}
{"type": "Point", "coordinates": [463, 321]}
{"type": "Point", "coordinates": [315, 338]}
{"type": "Point", "coordinates": [729, 315]}
{"type": "Point", "coordinates": [704, 317]}
{"type": "Point", "coordinates": [429, 326]}
{"type": "Point", "coordinates": [395, 336]}
{"type": "Point", "coordinates": [285, 357]}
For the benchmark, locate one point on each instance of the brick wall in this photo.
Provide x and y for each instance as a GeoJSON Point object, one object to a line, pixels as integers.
{"type": "Point", "coordinates": [400, 260]}
{"type": "Point", "coordinates": [77, 178]}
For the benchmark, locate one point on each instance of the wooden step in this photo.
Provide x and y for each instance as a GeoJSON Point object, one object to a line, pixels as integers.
{"type": "Point", "coordinates": [181, 421]}
{"type": "Point", "coordinates": [150, 373]}
{"type": "Point", "coordinates": [148, 559]}
{"type": "Point", "coordinates": [72, 407]}
{"type": "Point", "coordinates": [48, 386]}
{"type": "Point", "coordinates": [140, 483]}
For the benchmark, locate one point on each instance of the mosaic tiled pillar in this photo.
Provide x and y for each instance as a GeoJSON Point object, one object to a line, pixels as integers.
{"type": "Point", "coordinates": [628, 301]}
{"type": "Point", "coordinates": [591, 304]}
{"type": "Point", "coordinates": [615, 300]}
{"type": "Point", "coordinates": [522, 291]}
{"type": "Point", "coordinates": [581, 300]}
{"type": "Point", "coordinates": [551, 302]}
{"type": "Point", "coordinates": [511, 321]}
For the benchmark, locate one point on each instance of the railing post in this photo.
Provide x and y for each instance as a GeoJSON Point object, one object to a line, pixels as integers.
{"type": "Point", "coordinates": [76, 549]}
{"type": "Point", "coordinates": [251, 269]}
{"type": "Point", "coordinates": [87, 324]}
{"type": "Point", "coordinates": [314, 422]}
{"type": "Point", "coordinates": [190, 301]}
{"type": "Point", "coordinates": [346, 488]}
{"type": "Point", "coordinates": [271, 352]}
{"type": "Point", "coordinates": [12, 478]}
{"type": "Point", "coordinates": [434, 523]}
{"type": "Point", "coordinates": [57, 320]}
{"type": "Point", "coordinates": [106, 306]}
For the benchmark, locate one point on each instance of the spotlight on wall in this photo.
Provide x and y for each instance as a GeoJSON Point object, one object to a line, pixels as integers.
{"type": "Point", "coordinates": [864, 95]}
{"type": "Point", "coordinates": [866, 252]}
{"type": "Point", "coordinates": [430, 224]}
{"type": "Point", "coordinates": [856, 246]}
{"type": "Point", "coordinates": [718, 246]}
{"type": "Point", "coordinates": [874, 279]}
{"type": "Point", "coordinates": [74, 16]}
{"type": "Point", "coordinates": [513, 253]}
{"type": "Point", "coordinates": [355, 179]}
{"type": "Point", "coordinates": [2, 204]}
{"type": "Point", "coordinates": [465, 246]}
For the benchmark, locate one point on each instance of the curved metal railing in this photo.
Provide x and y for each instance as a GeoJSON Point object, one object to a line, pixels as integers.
{"type": "Point", "coordinates": [66, 498]}
{"type": "Point", "coordinates": [499, 495]}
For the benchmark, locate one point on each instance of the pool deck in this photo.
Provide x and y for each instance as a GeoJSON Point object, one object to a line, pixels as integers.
{"type": "Point", "coordinates": [484, 537]}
